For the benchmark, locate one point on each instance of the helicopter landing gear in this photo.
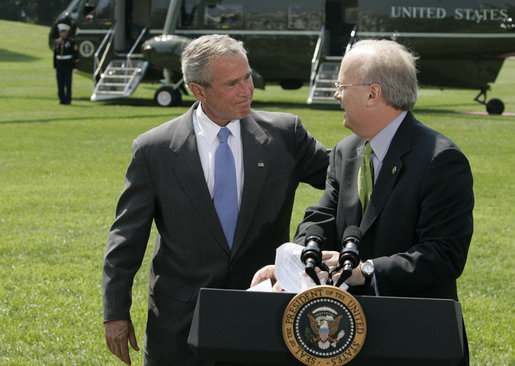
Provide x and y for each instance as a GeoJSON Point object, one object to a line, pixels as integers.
{"type": "Point", "coordinates": [493, 106]}
{"type": "Point", "coordinates": [167, 96]}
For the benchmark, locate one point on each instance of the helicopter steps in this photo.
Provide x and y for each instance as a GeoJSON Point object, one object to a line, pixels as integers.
{"type": "Point", "coordinates": [120, 79]}
{"type": "Point", "coordinates": [322, 90]}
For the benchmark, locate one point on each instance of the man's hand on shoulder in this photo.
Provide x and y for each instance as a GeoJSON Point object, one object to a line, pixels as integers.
{"type": "Point", "coordinates": [118, 334]}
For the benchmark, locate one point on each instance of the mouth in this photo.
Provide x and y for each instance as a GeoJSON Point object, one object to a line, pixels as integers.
{"type": "Point", "coordinates": [245, 102]}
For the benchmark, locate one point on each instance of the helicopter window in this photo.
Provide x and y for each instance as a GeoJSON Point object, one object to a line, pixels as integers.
{"type": "Point", "coordinates": [97, 9]}
{"type": "Point", "coordinates": [224, 16]}
{"type": "Point", "coordinates": [188, 10]}
{"type": "Point", "coordinates": [297, 17]}
{"type": "Point", "coordinates": [158, 12]}
{"type": "Point", "coordinates": [73, 8]}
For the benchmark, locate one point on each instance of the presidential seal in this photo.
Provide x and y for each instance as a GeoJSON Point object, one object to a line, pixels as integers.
{"type": "Point", "coordinates": [86, 49]}
{"type": "Point", "coordinates": [324, 325]}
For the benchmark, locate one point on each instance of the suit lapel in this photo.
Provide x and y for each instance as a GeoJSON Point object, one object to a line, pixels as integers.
{"type": "Point", "coordinates": [188, 170]}
{"type": "Point", "coordinates": [352, 205]}
{"type": "Point", "coordinates": [256, 159]}
{"type": "Point", "coordinates": [391, 169]}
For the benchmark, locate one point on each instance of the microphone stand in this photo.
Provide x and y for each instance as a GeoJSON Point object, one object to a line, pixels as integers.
{"type": "Point", "coordinates": [346, 273]}
{"type": "Point", "coordinates": [310, 270]}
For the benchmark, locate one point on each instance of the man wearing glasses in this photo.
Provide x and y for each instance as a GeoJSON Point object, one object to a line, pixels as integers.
{"type": "Point", "coordinates": [417, 221]}
{"type": "Point", "coordinates": [416, 216]}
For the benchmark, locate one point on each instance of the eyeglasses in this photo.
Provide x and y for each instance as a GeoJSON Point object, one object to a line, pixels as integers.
{"type": "Point", "coordinates": [339, 86]}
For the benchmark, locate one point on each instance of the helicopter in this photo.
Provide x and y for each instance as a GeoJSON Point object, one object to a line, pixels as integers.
{"type": "Point", "coordinates": [460, 43]}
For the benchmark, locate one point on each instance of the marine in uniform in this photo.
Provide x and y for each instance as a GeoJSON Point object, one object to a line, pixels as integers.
{"type": "Point", "coordinates": [65, 60]}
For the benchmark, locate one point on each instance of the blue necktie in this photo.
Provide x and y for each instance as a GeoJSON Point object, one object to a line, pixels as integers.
{"type": "Point", "coordinates": [226, 193]}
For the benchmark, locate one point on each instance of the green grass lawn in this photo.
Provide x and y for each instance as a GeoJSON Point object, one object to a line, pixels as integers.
{"type": "Point", "coordinates": [62, 169]}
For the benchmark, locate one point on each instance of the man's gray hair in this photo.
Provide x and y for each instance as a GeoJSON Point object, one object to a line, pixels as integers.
{"type": "Point", "coordinates": [196, 56]}
{"type": "Point", "coordinates": [390, 65]}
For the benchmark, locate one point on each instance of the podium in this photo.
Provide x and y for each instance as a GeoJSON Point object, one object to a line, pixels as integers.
{"type": "Point", "coordinates": [237, 326]}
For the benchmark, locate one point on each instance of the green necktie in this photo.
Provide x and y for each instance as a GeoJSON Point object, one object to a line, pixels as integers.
{"type": "Point", "coordinates": [365, 178]}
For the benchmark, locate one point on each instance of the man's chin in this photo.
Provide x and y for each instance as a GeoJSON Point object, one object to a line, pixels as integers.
{"type": "Point", "coordinates": [244, 110]}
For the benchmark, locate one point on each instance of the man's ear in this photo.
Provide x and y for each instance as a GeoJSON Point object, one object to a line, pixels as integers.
{"type": "Point", "coordinates": [375, 95]}
{"type": "Point", "coordinates": [198, 91]}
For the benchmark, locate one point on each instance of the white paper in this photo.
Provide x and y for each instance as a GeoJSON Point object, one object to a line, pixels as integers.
{"type": "Point", "coordinates": [265, 286]}
{"type": "Point", "coordinates": [289, 269]}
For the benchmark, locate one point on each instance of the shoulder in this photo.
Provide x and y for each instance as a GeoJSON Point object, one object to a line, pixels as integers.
{"type": "Point", "coordinates": [427, 150]}
{"type": "Point", "coordinates": [429, 141]}
{"type": "Point", "coordinates": [347, 146]}
{"type": "Point", "coordinates": [274, 119]}
{"type": "Point", "coordinates": [165, 132]}
{"type": "Point", "coordinates": [418, 140]}
{"type": "Point", "coordinates": [287, 125]}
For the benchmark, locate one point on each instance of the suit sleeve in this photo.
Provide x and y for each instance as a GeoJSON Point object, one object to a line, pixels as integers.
{"type": "Point", "coordinates": [128, 238]}
{"type": "Point", "coordinates": [443, 232]}
{"type": "Point", "coordinates": [311, 156]}
{"type": "Point", "coordinates": [324, 213]}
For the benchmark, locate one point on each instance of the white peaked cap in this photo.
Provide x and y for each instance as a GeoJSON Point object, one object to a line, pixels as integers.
{"type": "Point", "coordinates": [63, 27]}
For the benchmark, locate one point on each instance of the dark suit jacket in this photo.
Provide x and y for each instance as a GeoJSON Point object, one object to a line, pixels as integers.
{"type": "Point", "coordinates": [165, 183]}
{"type": "Point", "coordinates": [418, 225]}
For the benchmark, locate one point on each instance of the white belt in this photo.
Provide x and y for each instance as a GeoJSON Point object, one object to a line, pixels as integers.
{"type": "Point", "coordinates": [64, 57]}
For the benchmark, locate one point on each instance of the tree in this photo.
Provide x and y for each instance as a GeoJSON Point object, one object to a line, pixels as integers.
{"type": "Point", "coordinates": [48, 10]}
{"type": "Point", "coordinates": [34, 11]}
{"type": "Point", "coordinates": [19, 10]}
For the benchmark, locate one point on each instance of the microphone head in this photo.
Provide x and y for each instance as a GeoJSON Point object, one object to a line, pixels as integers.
{"type": "Point", "coordinates": [316, 231]}
{"type": "Point", "coordinates": [349, 256]}
{"type": "Point", "coordinates": [352, 231]}
{"type": "Point", "coordinates": [311, 251]}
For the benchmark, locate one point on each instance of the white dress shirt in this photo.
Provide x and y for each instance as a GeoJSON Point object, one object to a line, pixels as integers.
{"type": "Point", "coordinates": [206, 132]}
{"type": "Point", "coordinates": [381, 143]}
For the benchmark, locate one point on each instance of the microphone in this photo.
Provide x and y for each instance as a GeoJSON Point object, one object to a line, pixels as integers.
{"type": "Point", "coordinates": [311, 255]}
{"type": "Point", "coordinates": [349, 256]}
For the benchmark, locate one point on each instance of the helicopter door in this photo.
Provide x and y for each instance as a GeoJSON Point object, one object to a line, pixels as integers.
{"type": "Point", "coordinates": [341, 18]}
{"type": "Point", "coordinates": [138, 17]}
{"type": "Point", "coordinates": [132, 16]}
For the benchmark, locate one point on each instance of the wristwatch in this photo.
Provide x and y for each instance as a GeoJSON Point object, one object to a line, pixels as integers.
{"type": "Point", "coordinates": [367, 268]}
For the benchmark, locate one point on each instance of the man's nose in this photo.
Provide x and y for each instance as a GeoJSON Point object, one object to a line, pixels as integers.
{"type": "Point", "coordinates": [246, 86]}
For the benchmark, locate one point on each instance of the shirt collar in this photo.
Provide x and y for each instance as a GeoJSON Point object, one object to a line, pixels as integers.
{"type": "Point", "coordinates": [381, 142]}
{"type": "Point", "coordinates": [209, 130]}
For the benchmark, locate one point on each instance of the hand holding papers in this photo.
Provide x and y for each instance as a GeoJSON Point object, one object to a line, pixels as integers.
{"type": "Point", "coordinates": [289, 271]}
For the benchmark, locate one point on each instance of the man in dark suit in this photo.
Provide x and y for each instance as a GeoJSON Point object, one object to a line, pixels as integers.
{"type": "Point", "coordinates": [417, 225]}
{"type": "Point", "coordinates": [172, 181]}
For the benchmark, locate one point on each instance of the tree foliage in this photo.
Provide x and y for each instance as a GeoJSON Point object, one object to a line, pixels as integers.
{"type": "Point", "coordinates": [32, 11]}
